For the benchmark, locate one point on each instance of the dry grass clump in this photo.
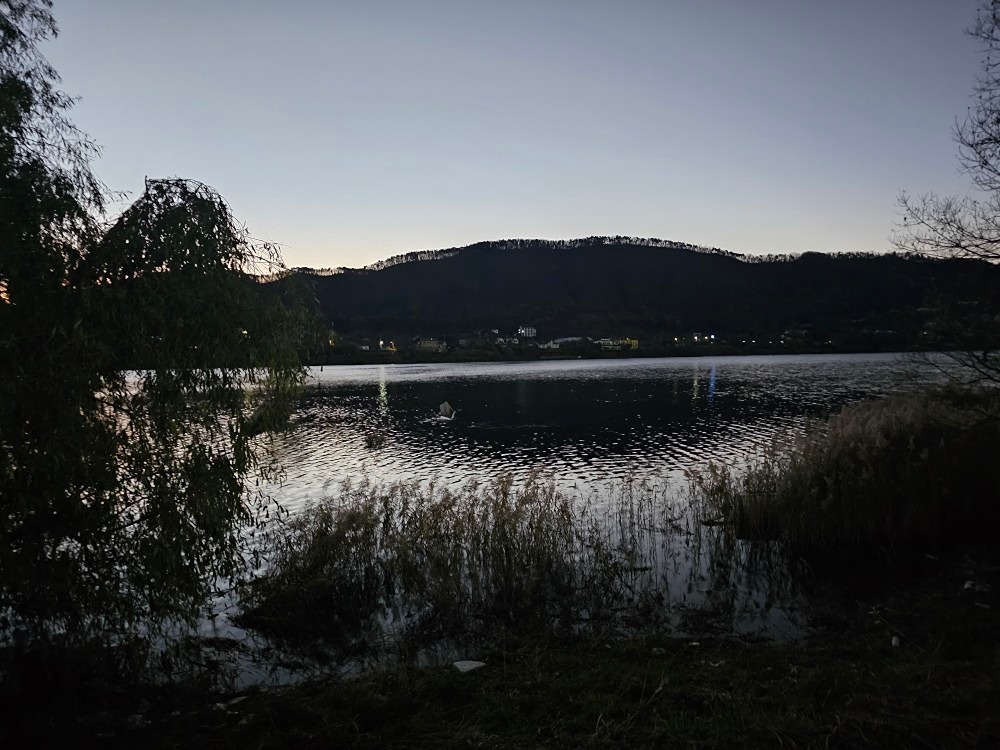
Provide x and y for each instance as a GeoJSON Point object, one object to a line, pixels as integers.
{"type": "Point", "coordinates": [879, 476]}
{"type": "Point", "coordinates": [379, 561]}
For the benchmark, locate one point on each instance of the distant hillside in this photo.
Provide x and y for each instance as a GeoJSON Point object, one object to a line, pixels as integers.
{"type": "Point", "coordinates": [617, 286]}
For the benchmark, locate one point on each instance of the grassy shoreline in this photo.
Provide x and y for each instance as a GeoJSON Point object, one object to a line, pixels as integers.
{"type": "Point", "coordinates": [845, 686]}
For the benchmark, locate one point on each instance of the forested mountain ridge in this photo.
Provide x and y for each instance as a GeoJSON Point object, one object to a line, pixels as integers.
{"type": "Point", "coordinates": [501, 245]}
{"type": "Point", "coordinates": [603, 286]}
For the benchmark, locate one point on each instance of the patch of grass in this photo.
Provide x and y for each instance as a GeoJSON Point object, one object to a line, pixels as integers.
{"type": "Point", "coordinates": [874, 480]}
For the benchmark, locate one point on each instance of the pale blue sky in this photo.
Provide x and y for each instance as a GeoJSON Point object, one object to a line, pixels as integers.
{"type": "Point", "coordinates": [349, 131]}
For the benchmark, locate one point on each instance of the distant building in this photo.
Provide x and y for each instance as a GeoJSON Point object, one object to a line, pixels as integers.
{"type": "Point", "coordinates": [527, 332]}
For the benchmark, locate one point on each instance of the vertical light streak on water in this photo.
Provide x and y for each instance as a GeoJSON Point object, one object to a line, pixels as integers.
{"type": "Point", "coordinates": [383, 393]}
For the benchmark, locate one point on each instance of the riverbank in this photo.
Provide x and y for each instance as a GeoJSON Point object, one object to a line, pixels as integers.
{"type": "Point", "coordinates": [846, 685]}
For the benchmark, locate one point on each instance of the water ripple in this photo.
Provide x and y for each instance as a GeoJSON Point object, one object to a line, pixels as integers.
{"type": "Point", "coordinates": [582, 422]}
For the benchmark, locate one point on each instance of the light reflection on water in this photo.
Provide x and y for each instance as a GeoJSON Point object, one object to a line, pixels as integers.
{"type": "Point", "coordinates": [582, 422]}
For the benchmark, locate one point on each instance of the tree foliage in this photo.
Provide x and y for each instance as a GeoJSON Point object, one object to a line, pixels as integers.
{"type": "Point", "coordinates": [968, 226]}
{"type": "Point", "coordinates": [141, 359]}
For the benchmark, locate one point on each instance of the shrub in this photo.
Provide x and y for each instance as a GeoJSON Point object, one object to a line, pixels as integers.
{"type": "Point", "coordinates": [879, 476]}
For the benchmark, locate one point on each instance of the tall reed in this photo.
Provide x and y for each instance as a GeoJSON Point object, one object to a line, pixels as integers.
{"type": "Point", "coordinates": [406, 560]}
{"type": "Point", "coordinates": [880, 476]}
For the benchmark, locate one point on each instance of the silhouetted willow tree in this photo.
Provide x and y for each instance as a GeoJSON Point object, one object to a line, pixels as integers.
{"type": "Point", "coordinates": [140, 361]}
{"type": "Point", "coordinates": [968, 227]}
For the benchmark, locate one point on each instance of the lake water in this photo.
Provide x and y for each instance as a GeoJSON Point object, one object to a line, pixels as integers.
{"type": "Point", "coordinates": [584, 423]}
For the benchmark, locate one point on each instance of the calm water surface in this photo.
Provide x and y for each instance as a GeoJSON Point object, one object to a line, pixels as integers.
{"type": "Point", "coordinates": [585, 423]}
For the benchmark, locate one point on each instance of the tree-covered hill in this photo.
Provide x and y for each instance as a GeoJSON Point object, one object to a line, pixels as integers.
{"type": "Point", "coordinates": [648, 288]}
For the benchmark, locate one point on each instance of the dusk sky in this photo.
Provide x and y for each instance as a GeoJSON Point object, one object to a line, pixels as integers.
{"type": "Point", "coordinates": [348, 132]}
